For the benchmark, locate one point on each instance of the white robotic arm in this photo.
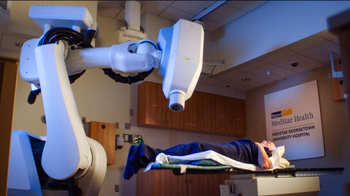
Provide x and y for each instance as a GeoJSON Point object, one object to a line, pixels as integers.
{"type": "Point", "coordinates": [47, 62]}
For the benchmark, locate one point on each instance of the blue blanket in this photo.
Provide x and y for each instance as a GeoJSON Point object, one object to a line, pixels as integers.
{"type": "Point", "coordinates": [243, 150]}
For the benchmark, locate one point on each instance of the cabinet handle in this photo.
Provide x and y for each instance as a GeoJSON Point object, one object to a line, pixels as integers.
{"type": "Point", "coordinates": [230, 125]}
{"type": "Point", "coordinates": [166, 117]}
{"type": "Point", "coordinates": [199, 121]}
{"type": "Point", "coordinates": [233, 125]}
{"type": "Point", "coordinates": [202, 123]}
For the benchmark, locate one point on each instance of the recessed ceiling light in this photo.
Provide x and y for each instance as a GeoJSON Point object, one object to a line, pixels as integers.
{"type": "Point", "coordinates": [246, 79]}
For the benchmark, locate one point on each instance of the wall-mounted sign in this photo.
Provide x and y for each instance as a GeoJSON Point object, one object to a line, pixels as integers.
{"type": "Point", "coordinates": [293, 119]}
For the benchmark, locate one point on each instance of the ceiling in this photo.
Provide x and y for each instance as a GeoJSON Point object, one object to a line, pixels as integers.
{"type": "Point", "coordinates": [310, 53]}
{"type": "Point", "coordinates": [174, 10]}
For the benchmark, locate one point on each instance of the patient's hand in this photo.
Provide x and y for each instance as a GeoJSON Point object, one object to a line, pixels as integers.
{"type": "Point", "coordinates": [263, 159]}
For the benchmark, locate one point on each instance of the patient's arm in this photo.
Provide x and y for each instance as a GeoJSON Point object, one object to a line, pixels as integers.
{"type": "Point", "coordinates": [263, 159]}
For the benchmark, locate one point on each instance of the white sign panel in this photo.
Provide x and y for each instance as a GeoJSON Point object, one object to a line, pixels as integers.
{"type": "Point", "coordinates": [293, 119]}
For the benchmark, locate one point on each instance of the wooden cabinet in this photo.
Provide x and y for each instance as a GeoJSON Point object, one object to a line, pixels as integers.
{"type": "Point", "coordinates": [165, 183]}
{"type": "Point", "coordinates": [104, 133]}
{"type": "Point", "coordinates": [204, 112]}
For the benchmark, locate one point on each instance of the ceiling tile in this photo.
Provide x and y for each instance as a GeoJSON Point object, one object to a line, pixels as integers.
{"type": "Point", "coordinates": [330, 47]}
{"type": "Point", "coordinates": [225, 14]}
{"type": "Point", "coordinates": [174, 14]}
{"type": "Point", "coordinates": [275, 72]}
{"type": "Point", "coordinates": [327, 35]}
{"type": "Point", "coordinates": [304, 63]}
{"type": "Point", "coordinates": [335, 41]}
{"type": "Point", "coordinates": [120, 16]}
{"type": "Point", "coordinates": [236, 86]}
{"type": "Point", "coordinates": [192, 7]}
{"type": "Point", "coordinates": [228, 74]}
{"type": "Point", "coordinates": [208, 80]}
{"type": "Point", "coordinates": [307, 43]}
{"type": "Point", "coordinates": [309, 67]}
{"type": "Point", "coordinates": [108, 12]}
{"type": "Point", "coordinates": [277, 55]}
{"type": "Point", "coordinates": [254, 82]}
{"type": "Point", "coordinates": [210, 25]}
{"type": "Point", "coordinates": [167, 3]}
{"type": "Point", "coordinates": [262, 82]}
{"type": "Point", "coordinates": [246, 5]}
{"type": "Point", "coordinates": [112, 4]}
{"type": "Point", "coordinates": [318, 54]}
{"type": "Point", "coordinates": [250, 65]}
{"type": "Point", "coordinates": [153, 8]}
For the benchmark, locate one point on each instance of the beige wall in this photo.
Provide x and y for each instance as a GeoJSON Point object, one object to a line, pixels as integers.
{"type": "Point", "coordinates": [335, 128]}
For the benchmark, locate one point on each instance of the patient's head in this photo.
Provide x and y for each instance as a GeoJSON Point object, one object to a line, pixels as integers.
{"type": "Point", "coordinates": [268, 144]}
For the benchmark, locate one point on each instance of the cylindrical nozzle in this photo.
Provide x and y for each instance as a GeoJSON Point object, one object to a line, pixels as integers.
{"type": "Point", "coordinates": [177, 102]}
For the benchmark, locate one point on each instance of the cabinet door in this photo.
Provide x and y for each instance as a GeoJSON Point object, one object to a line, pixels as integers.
{"type": "Point", "coordinates": [239, 117]}
{"type": "Point", "coordinates": [174, 120]}
{"type": "Point", "coordinates": [190, 114]}
{"type": "Point", "coordinates": [206, 184]}
{"type": "Point", "coordinates": [224, 124]}
{"type": "Point", "coordinates": [164, 183]}
{"type": "Point", "coordinates": [231, 111]}
{"type": "Point", "coordinates": [168, 184]}
{"type": "Point", "coordinates": [160, 183]}
{"type": "Point", "coordinates": [150, 109]}
{"type": "Point", "coordinates": [104, 133]}
{"type": "Point", "coordinates": [144, 183]}
{"type": "Point", "coordinates": [206, 112]}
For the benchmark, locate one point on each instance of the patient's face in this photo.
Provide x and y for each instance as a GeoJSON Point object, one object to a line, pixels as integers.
{"type": "Point", "coordinates": [269, 145]}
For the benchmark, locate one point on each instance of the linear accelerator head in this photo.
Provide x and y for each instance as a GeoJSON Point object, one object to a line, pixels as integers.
{"type": "Point", "coordinates": [181, 62]}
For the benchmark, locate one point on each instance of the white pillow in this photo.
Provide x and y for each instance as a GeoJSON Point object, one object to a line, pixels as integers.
{"type": "Point", "coordinates": [281, 149]}
{"type": "Point", "coordinates": [284, 162]}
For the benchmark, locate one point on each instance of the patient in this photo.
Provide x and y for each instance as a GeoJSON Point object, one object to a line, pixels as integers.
{"type": "Point", "coordinates": [243, 150]}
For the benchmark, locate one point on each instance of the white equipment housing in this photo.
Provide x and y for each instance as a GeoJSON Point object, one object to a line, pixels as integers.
{"type": "Point", "coordinates": [49, 16]}
{"type": "Point", "coordinates": [125, 35]}
{"type": "Point", "coordinates": [132, 18]}
{"type": "Point", "coordinates": [180, 55]}
{"type": "Point", "coordinates": [249, 184]}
